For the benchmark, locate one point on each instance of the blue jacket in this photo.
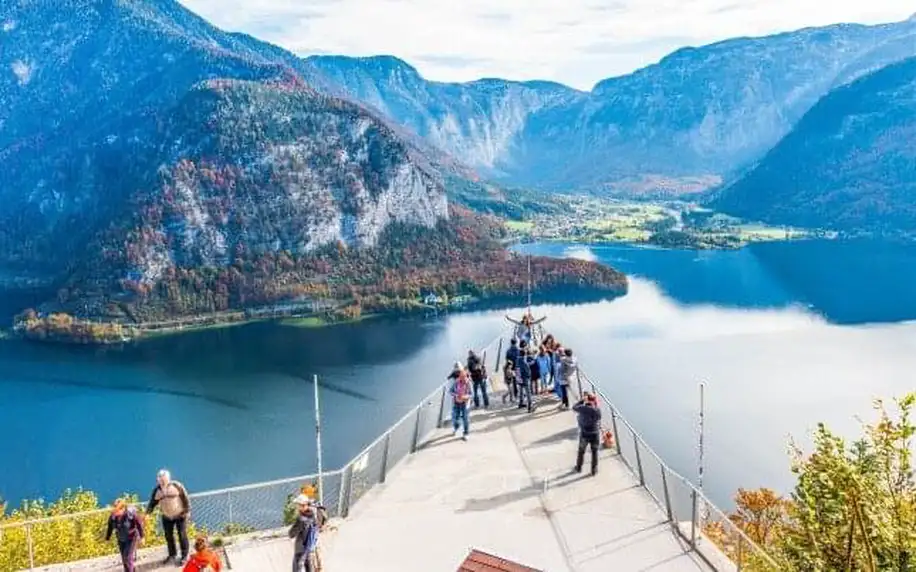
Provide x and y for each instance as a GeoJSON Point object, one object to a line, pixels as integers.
{"type": "Point", "coordinates": [524, 368]}
{"type": "Point", "coordinates": [512, 354]}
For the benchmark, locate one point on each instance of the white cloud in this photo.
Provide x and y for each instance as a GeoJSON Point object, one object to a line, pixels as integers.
{"type": "Point", "coordinates": [22, 71]}
{"type": "Point", "coordinates": [577, 42]}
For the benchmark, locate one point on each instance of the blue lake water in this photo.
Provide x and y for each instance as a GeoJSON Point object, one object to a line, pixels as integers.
{"type": "Point", "coordinates": [783, 334]}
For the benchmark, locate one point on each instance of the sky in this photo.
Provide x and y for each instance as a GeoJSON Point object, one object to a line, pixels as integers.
{"type": "Point", "coordinates": [576, 42]}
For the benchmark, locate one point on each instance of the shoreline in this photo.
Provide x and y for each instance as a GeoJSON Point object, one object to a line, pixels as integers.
{"type": "Point", "coordinates": [138, 334]}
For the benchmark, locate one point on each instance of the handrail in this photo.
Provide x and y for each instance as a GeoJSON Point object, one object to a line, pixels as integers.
{"type": "Point", "coordinates": [240, 488]}
{"type": "Point", "coordinates": [665, 467]}
{"type": "Point", "coordinates": [407, 415]}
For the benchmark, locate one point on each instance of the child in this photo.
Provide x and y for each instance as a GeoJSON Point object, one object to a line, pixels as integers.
{"type": "Point", "coordinates": [203, 559]}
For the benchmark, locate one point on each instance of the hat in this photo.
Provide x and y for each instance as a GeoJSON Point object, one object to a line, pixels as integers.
{"type": "Point", "coordinates": [302, 500]}
{"type": "Point", "coordinates": [458, 365]}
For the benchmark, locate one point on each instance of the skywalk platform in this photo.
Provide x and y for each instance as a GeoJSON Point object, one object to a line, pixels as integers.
{"type": "Point", "coordinates": [509, 490]}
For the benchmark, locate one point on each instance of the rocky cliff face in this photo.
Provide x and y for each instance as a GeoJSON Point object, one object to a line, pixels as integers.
{"type": "Point", "coordinates": [256, 168]}
{"type": "Point", "coordinates": [850, 163]}
{"type": "Point", "coordinates": [477, 122]}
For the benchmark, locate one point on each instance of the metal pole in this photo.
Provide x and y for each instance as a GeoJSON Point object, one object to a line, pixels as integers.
{"type": "Point", "coordinates": [318, 442]}
{"type": "Point", "coordinates": [529, 287]}
{"type": "Point", "coordinates": [702, 431]}
{"type": "Point", "coordinates": [28, 531]}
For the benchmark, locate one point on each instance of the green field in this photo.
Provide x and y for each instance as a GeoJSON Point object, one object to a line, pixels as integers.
{"type": "Point", "coordinates": [520, 225]}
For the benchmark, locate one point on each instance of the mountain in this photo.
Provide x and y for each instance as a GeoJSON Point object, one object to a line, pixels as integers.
{"type": "Point", "coordinates": [681, 125]}
{"type": "Point", "coordinates": [477, 122]}
{"type": "Point", "coordinates": [153, 166]}
{"type": "Point", "coordinates": [849, 163]}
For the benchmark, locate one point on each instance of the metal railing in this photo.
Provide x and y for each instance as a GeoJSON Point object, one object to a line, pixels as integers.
{"type": "Point", "coordinates": [27, 543]}
{"type": "Point", "coordinates": [693, 517]}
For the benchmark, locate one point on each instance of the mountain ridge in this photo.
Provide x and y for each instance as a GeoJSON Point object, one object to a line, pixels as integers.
{"type": "Point", "coordinates": [849, 163]}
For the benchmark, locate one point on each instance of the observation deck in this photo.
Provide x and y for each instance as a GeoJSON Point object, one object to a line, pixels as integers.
{"type": "Point", "coordinates": [420, 499]}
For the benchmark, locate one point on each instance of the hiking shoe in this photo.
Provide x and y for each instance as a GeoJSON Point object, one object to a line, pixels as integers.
{"type": "Point", "coordinates": [182, 561]}
{"type": "Point", "coordinates": [168, 560]}
{"type": "Point", "coordinates": [464, 437]}
{"type": "Point", "coordinates": [577, 469]}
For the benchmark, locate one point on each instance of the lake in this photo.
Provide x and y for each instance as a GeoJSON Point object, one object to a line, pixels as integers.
{"type": "Point", "coordinates": [784, 335]}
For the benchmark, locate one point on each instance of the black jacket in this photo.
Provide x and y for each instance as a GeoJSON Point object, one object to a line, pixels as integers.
{"type": "Point", "coordinates": [588, 417]}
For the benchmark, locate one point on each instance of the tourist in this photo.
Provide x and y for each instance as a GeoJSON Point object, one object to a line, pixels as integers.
{"type": "Point", "coordinates": [128, 525]}
{"type": "Point", "coordinates": [568, 369]}
{"type": "Point", "coordinates": [461, 394]}
{"type": "Point", "coordinates": [510, 378]}
{"type": "Point", "coordinates": [543, 361]}
{"type": "Point", "coordinates": [513, 353]}
{"type": "Point", "coordinates": [479, 379]}
{"type": "Point", "coordinates": [204, 559]}
{"type": "Point", "coordinates": [172, 499]}
{"type": "Point", "coordinates": [535, 371]}
{"type": "Point", "coordinates": [524, 382]}
{"type": "Point", "coordinates": [588, 416]}
{"type": "Point", "coordinates": [305, 532]}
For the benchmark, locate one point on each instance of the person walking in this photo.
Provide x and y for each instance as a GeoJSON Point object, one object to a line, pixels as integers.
{"type": "Point", "coordinates": [510, 378]}
{"type": "Point", "coordinates": [305, 534]}
{"type": "Point", "coordinates": [478, 373]}
{"type": "Point", "coordinates": [588, 416]}
{"type": "Point", "coordinates": [128, 525]}
{"type": "Point", "coordinates": [172, 499]}
{"type": "Point", "coordinates": [461, 394]}
{"type": "Point", "coordinates": [204, 559]}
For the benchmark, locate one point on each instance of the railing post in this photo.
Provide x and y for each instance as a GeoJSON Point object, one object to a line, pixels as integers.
{"type": "Point", "coordinates": [416, 431]}
{"type": "Point", "coordinates": [28, 532]}
{"type": "Point", "coordinates": [499, 354]}
{"type": "Point", "coordinates": [343, 502]}
{"type": "Point", "coordinates": [385, 457]}
{"type": "Point", "coordinates": [579, 383]}
{"type": "Point", "coordinates": [642, 477]}
{"type": "Point", "coordinates": [442, 409]}
{"type": "Point", "coordinates": [667, 494]}
{"type": "Point", "coordinates": [693, 519]}
{"type": "Point", "coordinates": [229, 496]}
{"type": "Point", "coordinates": [616, 434]}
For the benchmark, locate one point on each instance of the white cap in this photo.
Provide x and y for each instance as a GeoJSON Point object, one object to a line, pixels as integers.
{"type": "Point", "coordinates": [302, 500]}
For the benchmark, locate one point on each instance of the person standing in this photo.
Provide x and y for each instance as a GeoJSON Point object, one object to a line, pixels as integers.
{"type": "Point", "coordinates": [305, 534]}
{"type": "Point", "coordinates": [588, 416]}
{"type": "Point", "coordinates": [461, 394]}
{"type": "Point", "coordinates": [478, 379]}
{"type": "Point", "coordinates": [128, 525]}
{"type": "Point", "coordinates": [543, 361]}
{"type": "Point", "coordinates": [568, 369]}
{"type": "Point", "coordinates": [172, 499]}
{"type": "Point", "coordinates": [524, 384]}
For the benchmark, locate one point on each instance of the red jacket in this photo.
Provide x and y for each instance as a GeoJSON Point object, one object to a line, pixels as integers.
{"type": "Point", "coordinates": [200, 560]}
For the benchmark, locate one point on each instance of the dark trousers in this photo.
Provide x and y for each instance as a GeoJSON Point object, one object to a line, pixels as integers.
{"type": "Point", "coordinates": [524, 391]}
{"type": "Point", "coordinates": [303, 561]}
{"type": "Point", "coordinates": [128, 552]}
{"type": "Point", "coordinates": [481, 386]}
{"type": "Point", "coordinates": [590, 440]}
{"type": "Point", "coordinates": [564, 395]}
{"type": "Point", "coordinates": [169, 526]}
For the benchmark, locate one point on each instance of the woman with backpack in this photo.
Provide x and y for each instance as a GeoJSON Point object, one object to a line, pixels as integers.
{"type": "Point", "coordinates": [204, 559]}
{"type": "Point", "coordinates": [128, 525]}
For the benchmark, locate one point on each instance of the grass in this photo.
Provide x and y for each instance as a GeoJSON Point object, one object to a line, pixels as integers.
{"type": "Point", "coordinates": [320, 322]}
{"type": "Point", "coordinates": [520, 225]}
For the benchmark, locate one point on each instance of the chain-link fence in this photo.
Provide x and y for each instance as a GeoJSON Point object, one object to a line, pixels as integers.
{"type": "Point", "coordinates": [692, 515]}
{"type": "Point", "coordinates": [27, 543]}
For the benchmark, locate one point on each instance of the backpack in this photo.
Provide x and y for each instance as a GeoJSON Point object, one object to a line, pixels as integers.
{"type": "Point", "coordinates": [125, 524]}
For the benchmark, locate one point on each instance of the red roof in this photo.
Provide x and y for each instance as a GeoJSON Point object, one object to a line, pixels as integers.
{"type": "Point", "coordinates": [478, 561]}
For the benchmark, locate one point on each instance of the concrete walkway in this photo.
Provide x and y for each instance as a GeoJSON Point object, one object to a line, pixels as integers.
{"type": "Point", "coordinates": [510, 491]}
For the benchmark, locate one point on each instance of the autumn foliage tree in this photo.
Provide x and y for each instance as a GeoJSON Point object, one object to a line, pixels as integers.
{"type": "Point", "coordinates": [853, 506]}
